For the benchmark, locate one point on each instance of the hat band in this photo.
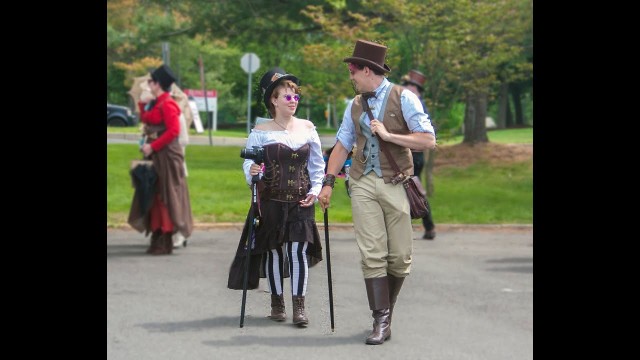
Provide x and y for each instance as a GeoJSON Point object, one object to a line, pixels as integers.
{"type": "Point", "coordinates": [276, 76]}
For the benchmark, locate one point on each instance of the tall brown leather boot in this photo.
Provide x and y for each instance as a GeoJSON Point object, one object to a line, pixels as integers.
{"type": "Point", "coordinates": [154, 241]}
{"type": "Point", "coordinates": [299, 317]}
{"type": "Point", "coordinates": [378, 295]}
{"type": "Point", "coordinates": [277, 308]}
{"type": "Point", "coordinates": [395, 283]}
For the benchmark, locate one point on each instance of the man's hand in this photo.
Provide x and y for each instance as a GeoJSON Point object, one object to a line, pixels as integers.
{"type": "Point", "coordinates": [325, 197]}
{"type": "Point", "coordinates": [377, 128]}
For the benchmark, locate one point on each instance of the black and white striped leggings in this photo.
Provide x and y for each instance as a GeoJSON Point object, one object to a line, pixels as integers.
{"type": "Point", "coordinates": [298, 268]}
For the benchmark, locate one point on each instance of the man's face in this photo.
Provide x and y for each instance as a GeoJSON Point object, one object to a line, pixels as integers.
{"type": "Point", "coordinates": [357, 77]}
{"type": "Point", "coordinates": [413, 88]}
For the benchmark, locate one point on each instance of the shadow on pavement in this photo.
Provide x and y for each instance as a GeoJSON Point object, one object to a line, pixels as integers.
{"type": "Point", "coordinates": [517, 269]}
{"type": "Point", "coordinates": [114, 251]}
{"type": "Point", "coordinates": [328, 339]}
{"type": "Point", "coordinates": [515, 262]}
{"type": "Point", "coordinates": [511, 260]}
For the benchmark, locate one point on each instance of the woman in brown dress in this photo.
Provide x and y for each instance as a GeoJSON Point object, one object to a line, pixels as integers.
{"type": "Point", "coordinates": [170, 211]}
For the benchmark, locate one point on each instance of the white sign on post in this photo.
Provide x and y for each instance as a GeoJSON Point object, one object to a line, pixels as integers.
{"type": "Point", "coordinates": [250, 63]}
{"type": "Point", "coordinates": [196, 117]}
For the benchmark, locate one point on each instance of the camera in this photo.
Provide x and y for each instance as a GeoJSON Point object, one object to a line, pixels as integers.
{"type": "Point", "coordinates": [256, 153]}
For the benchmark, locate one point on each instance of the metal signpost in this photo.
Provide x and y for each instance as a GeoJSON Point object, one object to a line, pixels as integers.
{"type": "Point", "coordinates": [250, 62]}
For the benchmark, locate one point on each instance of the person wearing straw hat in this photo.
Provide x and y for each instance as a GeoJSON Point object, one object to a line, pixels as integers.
{"type": "Point", "coordinates": [381, 215]}
{"type": "Point", "coordinates": [170, 211]}
{"type": "Point", "coordinates": [414, 81]}
{"type": "Point", "coordinates": [287, 234]}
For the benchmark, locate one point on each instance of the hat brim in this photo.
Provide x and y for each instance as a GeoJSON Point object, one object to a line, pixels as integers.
{"type": "Point", "coordinates": [420, 87]}
{"type": "Point", "coordinates": [367, 62]}
{"type": "Point", "coordinates": [269, 90]}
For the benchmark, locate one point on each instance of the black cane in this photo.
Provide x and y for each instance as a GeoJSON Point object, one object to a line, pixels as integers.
{"type": "Point", "coordinates": [326, 239]}
{"type": "Point", "coordinates": [249, 244]}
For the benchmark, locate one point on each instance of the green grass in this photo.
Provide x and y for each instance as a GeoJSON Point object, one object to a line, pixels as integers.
{"type": "Point", "coordinates": [235, 133]}
{"type": "Point", "coordinates": [507, 136]}
{"type": "Point", "coordinates": [479, 194]}
{"type": "Point", "coordinates": [502, 136]}
{"type": "Point", "coordinates": [484, 194]}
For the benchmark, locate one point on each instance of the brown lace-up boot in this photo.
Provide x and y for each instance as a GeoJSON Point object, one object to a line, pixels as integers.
{"type": "Point", "coordinates": [165, 245]}
{"type": "Point", "coordinates": [395, 283]}
{"type": "Point", "coordinates": [299, 317]}
{"type": "Point", "coordinates": [378, 295]}
{"type": "Point", "coordinates": [154, 242]}
{"type": "Point", "coordinates": [277, 308]}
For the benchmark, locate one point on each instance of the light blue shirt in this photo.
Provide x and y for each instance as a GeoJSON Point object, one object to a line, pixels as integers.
{"type": "Point", "coordinates": [412, 111]}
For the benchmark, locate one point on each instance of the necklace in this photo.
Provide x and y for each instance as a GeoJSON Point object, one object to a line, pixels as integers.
{"type": "Point", "coordinates": [277, 123]}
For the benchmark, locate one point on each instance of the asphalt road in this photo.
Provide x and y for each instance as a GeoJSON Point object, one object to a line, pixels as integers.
{"type": "Point", "coordinates": [469, 296]}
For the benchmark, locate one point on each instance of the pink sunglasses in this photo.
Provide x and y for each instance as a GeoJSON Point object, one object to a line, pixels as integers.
{"type": "Point", "coordinates": [288, 97]}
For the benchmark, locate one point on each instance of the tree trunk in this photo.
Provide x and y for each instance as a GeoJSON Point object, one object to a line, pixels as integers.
{"type": "Point", "coordinates": [509, 118]}
{"type": "Point", "coordinates": [430, 156]}
{"type": "Point", "coordinates": [469, 117]}
{"type": "Point", "coordinates": [475, 129]}
{"type": "Point", "coordinates": [334, 114]}
{"type": "Point", "coordinates": [503, 105]}
{"type": "Point", "coordinates": [517, 104]}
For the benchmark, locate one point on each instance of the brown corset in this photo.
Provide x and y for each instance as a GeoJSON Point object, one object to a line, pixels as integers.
{"type": "Point", "coordinates": [286, 177]}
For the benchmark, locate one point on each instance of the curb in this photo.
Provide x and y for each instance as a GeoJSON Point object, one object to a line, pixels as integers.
{"type": "Point", "coordinates": [326, 141]}
{"type": "Point", "coordinates": [349, 227]}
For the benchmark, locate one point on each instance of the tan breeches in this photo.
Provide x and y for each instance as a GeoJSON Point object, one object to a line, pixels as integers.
{"type": "Point", "coordinates": [382, 226]}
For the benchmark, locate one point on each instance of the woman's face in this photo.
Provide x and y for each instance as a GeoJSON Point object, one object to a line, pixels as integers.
{"type": "Point", "coordinates": [287, 101]}
{"type": "Point", "coordinates": [153, 86]}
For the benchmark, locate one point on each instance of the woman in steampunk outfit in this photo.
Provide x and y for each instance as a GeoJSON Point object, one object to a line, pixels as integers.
{"type": "Point", "coordinates": [287, 238]}
{"type": "Point", "coordinates": [170, 211]}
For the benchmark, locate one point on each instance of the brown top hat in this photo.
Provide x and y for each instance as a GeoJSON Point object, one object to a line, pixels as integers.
{"type": "Point", "coordinates": [414, 77]}
{"type": "Point", "coordinates": [370, 54]}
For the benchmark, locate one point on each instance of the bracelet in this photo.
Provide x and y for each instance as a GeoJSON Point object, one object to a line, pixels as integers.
{"type": "Point", "coordinates": [329, 180]}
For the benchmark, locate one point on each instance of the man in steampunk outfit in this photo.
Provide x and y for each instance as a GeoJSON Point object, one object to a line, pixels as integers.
{"type": "Point", "coordinates": [381, 215]}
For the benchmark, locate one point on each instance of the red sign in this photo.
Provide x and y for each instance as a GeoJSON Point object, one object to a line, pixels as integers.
{"type": "Point", "coordinates": [200, 93]}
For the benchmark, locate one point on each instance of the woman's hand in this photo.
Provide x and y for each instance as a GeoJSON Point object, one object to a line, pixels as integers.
{"type": "Point", "coordinates": [147, 150]}
{"type": "Point", "coordinates": [255, 169]}
{"type": "Point", "coordinates": [308, 201]}
{"type": "Point", "coordinates": [146, 96]}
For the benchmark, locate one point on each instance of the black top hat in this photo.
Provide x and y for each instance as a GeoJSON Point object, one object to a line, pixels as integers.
{"type": "Point", "coordinates": [370, 54]}
{"type": "Point", "coordinates": [164, 76]}
{"type": "Point", "coordinates": [271, 79]}
{"type": "Point", "coordinates": [416, 78]}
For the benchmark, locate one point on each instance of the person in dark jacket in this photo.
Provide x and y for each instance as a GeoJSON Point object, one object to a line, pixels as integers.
{"type": "Point", "coordinates": [414, 81]}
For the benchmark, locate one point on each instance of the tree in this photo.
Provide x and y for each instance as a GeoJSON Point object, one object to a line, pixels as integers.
{"type": "Point", "coordinates": [488, 35]}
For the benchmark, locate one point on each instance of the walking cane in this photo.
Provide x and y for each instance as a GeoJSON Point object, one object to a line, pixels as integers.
{"type": "Point", "coordinates": [326, 239]}
{"type": "Point", "coordinates": [249, 243]}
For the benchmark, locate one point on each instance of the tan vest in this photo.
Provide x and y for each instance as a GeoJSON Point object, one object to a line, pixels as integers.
{"type": "Point", "coordinates": [395, 124]}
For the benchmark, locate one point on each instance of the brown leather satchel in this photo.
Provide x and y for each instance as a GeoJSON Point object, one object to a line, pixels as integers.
{"type": "Point", "coordinates": [417, 197]}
